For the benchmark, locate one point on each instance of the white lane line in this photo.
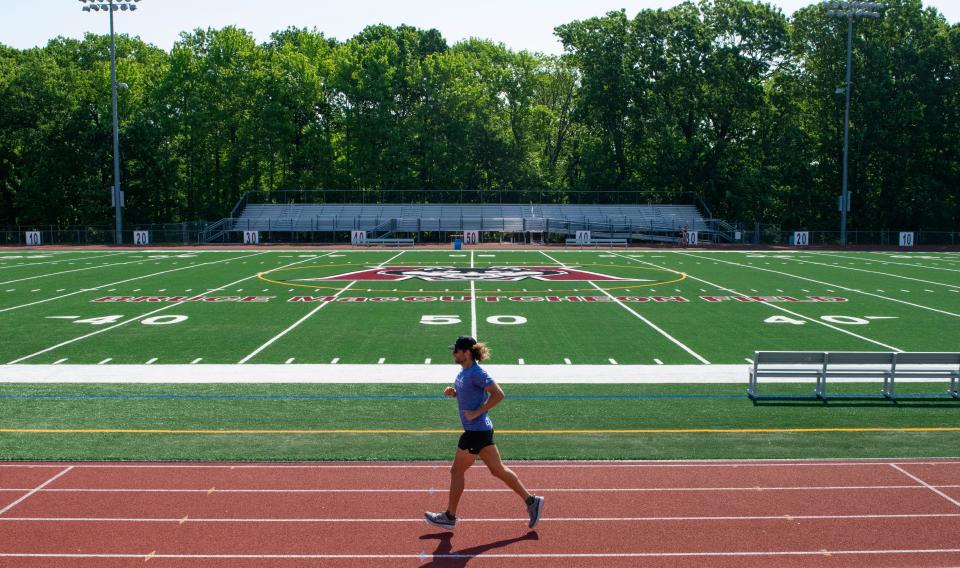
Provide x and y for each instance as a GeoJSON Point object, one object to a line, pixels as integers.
{"type": "Point", "coordinates": [473, 304]}
{"type": "Point", "coordinates": [334, 361]}
{"type": "Point", "coordinates": [151, 361]}
{"type": "Point", "coordinates": [290, 360]}
{"type": "Point", "coordinates": [652, 519]}
{"type": "Point", "coordinates": [754, 489]}
{"type": "Point", "coordinates": [925, 484]}
{"type": "Point", "coordinates": [876, 272]}
{"type": "Point", "coordinates": [69, 271]}
{"type": "Point", "coordinates": [423, 557]}
{"type": "Point", "coordinates": [135, 318]}
{"type": "Point", "coordinates": [865, 293]}
{"type": "Point", "coordinates": [105, 361]}
{"type": "Point", "coordinates": [31, 264]}
{"type": "Point", "coordinates": [197, 360]}
{"type": "Point", "coordinates": [82, 290]}
{"type": "Point", "coordinates": [654, 326]}
{"type": "Point", "coordinates": [782, 309]}
{"type": "Point", "coordinates": [613, 361]}
{"type": "Point", "coordinates": [584, 464]}
{"type": "Point", "coordinates": [35, 489]}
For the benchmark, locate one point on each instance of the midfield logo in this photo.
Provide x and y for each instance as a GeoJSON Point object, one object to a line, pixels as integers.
{"type": "Point", "coordinates": [460, 274]}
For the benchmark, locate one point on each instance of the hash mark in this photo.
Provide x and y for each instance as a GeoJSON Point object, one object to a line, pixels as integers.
{"type": "Point", "coordinates": [613, 361]}
{"type": "Point", "coordinates": [426, 361]}
{"type": "Point", "coordinates": [105, 361]}
{"type": "Point", "coordinates": [520, 362]}
{"type": "Point", "coordinates": [657, 361]}
{"type": "Point", "coordinates": [334, 361]}
{"type": "Point", "coordinates": [151, 361]}
{"type": "Point", "coordinates": [197, 360]}
{"type": "Point", "coordinates": [566, 361]}
{"type": "Point", "coordinates": [380, 361]}
{"type": "Point", "coordinates": [290, 360]}
{"type": "Point", "coordinates": [58, 361]}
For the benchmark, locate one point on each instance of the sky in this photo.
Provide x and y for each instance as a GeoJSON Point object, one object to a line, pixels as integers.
{"type": "Point", "coordinates": [519, 24]}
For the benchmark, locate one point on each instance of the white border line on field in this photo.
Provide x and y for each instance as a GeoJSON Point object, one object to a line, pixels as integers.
{"type": "Point", "coordinates": [281, 373]}
{"type": "Point", "coordinates": [32, 264]}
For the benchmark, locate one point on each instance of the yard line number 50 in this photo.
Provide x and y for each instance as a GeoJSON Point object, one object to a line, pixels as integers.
{"type": "Point", "coordinates": [450, 320]}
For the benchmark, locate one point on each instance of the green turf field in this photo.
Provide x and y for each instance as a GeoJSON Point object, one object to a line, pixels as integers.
{"type": "Point", "coordinates": [557, 307]}
{"type": "Point", "coordinates": [308, 422]}
{"type": "Point", "coordinates": [629, 307]}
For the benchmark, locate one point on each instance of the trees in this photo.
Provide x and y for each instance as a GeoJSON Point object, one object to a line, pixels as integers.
{"type": "Point", "coordinates": [727, 99]}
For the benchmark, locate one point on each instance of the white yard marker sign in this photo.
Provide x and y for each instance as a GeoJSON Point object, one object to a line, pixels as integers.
{"type": "Point", "coordinates": [33, 238]}
{"type": "Point", "coordinates": [801, 238]}
{"type": "Point", "coordinates": [583, 237]}
{"type": "Point", "coordinates": [141, 238]}
{"type": "Point", "coordinates": [358, 237]}
{"type": "Point", "coordinates": [471, 237]}
{"type": "Point", "coordinates": [251, 237]}
{"type": "Point", "coordinates": [906, 239]}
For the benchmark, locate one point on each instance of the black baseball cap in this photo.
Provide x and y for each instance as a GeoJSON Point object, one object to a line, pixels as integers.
{"type": "Point", "coordinates": [463, 342]}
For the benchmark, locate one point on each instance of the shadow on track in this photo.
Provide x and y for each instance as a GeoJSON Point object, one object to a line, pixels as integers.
{"type": "Point", "coordinates": [445, 556]}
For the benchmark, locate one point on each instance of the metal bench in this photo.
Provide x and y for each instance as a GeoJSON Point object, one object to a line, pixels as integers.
{"type": "Point", "coordinates": [853, 366]}
{"type": "Point", "coordinates": [593, 241]}
{"type": "Point", "coordinates": [387, 242]}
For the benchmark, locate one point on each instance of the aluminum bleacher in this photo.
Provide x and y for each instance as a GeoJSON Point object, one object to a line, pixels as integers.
{"type": "Point", "coordinates": [622, 221]}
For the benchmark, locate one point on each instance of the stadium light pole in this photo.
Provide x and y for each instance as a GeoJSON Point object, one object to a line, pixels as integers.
{"type": "Point", "coordinates": [111, 6]}
{"type": "Point", "coordinates": [849, 10]}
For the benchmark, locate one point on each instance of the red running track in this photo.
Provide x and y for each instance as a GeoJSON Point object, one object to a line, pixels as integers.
{"type": "Point", "coordinates": [732, 513]}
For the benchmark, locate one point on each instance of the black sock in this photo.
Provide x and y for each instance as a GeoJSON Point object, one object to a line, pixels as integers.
{"type": "Point", "coordinates": [449, 516]}
{"type": "Point", "coordinates": [529, 500]}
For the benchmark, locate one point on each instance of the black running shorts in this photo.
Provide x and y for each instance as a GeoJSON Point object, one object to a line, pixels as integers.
{"type": "Point", "coordinates": [475, 440]}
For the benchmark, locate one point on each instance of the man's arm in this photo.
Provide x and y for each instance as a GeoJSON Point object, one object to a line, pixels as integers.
{"type": "Point", "coordinates": [496, 395]}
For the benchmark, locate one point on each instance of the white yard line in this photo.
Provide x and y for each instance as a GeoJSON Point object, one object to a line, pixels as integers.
{"type": "Point", "coordinates": [72, 258]}
{"type": "Point", "coordinates": [473, 304]}
{"type": "Point", "coordinates": [127, 280]}
{"type": "Point", "coordinates": [72, 270]}
{"type": "Point", "coordinates": [776, 307]}
{"type": "Point", "coordinates": [297, 323]}
{"type": "Point", "coordinates": [887, 298]}
{"type": "Point", "coordinates": [140, 317]}
{"type": "Point", "coordinates": [840, 266]}
{"type": "Point", "coordinates": [654, 326]}
{"type": "Point", "coordinates": [925, 484]}
{"type": "Point", "coordinates": [35, 489]}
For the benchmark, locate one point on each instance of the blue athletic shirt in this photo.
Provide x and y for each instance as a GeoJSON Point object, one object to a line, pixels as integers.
{"type": "Point", "coordinates": [470, 385]}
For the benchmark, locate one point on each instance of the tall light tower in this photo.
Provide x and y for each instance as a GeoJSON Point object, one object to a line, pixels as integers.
{"type": "Point", "coordinates": [849, 10]}
{"type": "Point", "coordinates": [111, 6]}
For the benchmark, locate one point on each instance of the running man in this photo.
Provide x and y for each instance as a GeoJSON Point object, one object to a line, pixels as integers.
{"type": "Point", "coordinates": [476, 395]}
